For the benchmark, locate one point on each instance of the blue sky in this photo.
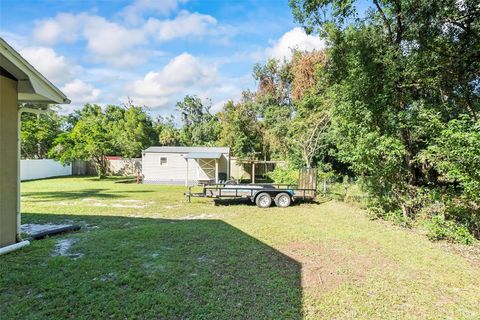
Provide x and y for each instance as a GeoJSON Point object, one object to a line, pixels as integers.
{"type": "Point", "coordinates": [154, 52]}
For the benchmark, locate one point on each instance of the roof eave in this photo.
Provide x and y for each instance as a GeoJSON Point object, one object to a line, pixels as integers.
{"type": "Point", "coordinates": [203, 155]}
{"type": "Point", "coordinates": [37, 88]}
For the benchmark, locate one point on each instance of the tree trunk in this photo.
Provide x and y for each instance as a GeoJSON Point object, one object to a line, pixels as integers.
{"type": "Point", "coordinates": [406, 211]}
{"type": "Point", "coordinates": [101, 167]}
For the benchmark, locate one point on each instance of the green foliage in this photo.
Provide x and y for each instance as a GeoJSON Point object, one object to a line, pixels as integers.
{"type": "Point", "coordinates": [90, 139]}
{"type": "Point", "coordinates": [38, 133]}
{"type": "Point", "coordinates": [309, 128]}
{"type": "Point", "coordinates": [200, 127]}
{"type": "Point", "coordinates": [284, 175]}
{"type": "Point", "coordinates": [273, 85]}
{"type": "Point", "coordinates": [133, 130]}
{"type": "Point", "coordinates": [168, 134]}
{"type": "Point", "coordinates": [241, 130]}
{"type": "Point", "coordinates": [403, 84]}
{"type": "Point", "coordinates": [326, 173]}
{"type": "Point", "coordinates": [273, 107]}
{"type": "Point", "coordinates": [455, 154]}
{"type": "Point", "coordinates": [441, 229]}
{"type": "Point", "coordinates": [97, 133]}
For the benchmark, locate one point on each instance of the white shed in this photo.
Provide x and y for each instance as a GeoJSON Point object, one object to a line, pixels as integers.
{"type": "Point", "coordinates": [185, 165]}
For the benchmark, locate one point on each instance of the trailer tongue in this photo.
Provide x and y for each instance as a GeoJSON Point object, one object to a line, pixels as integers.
{"type": "Point", "coordinates": [264, 194]}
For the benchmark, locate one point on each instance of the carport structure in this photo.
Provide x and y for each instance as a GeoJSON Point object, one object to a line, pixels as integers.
{"type": "Point", "coordinates": [208, 162]}
{"type": "Point", "coordinates": [20, 83]}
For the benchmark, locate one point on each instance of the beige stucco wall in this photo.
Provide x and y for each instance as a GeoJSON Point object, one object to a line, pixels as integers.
{"type": "Point", "coordinates": [8, 160]}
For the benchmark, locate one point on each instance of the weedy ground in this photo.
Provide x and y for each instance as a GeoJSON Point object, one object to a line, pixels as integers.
{"type": "Point", "coordinates": [144, 252]}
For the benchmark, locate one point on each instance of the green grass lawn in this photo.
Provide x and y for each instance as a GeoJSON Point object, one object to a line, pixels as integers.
{"type": "Point", "coordinates": [144, 252]}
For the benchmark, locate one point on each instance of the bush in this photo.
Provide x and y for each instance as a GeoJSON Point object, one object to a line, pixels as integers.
{"type": "Point", "coordinates": [441, 229]}
{"type": "Point", "coordinates": [397, 218]}
{"type": "Point", "coordinates": [455, 155]}
{"type": "Point", "coordinates": [374, 213]}
{"type": "Point", "coordinates": [284, 175]}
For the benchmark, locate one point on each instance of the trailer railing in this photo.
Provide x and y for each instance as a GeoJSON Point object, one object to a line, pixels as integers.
{"type": "Point", "coordinates": [305, 189]}
{"type": "Point", "coordinates": [245, 191]}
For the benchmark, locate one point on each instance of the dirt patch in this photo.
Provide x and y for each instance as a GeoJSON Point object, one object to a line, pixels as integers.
{"type": "Point", "coordinates": [326, 266]}
{"type": "Point", "coordinates": [107, 277]}
{"type": "Point", "coordinates": [172, 206]}
{"type": "Point", "coordinates": [62, 248]}
{"type": "Point", "coordinates": [116, 204]}
{"type": "Point", "coordinates": [201, 216]}
{"type": "Point", "coordinates": [470, 253]}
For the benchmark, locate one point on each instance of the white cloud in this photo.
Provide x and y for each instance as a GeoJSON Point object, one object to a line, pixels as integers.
{"type": "Point", "coordinates": [295, 39]}
{"type": "Point", "coordinates": [111, 42]}
{"type": "Point", "coordinates": [54, 67]}
{"type": "Point", "coordinates": [63, 28]}
{"type": "Point", "coordinates": [80, 92]}
{"type": "Point", "coordinates": [106, 41]}
{"type": "Point", "coordinates": [134, 12]}
{"type": "Point", "coordinates": [226, 88]}
{"type": "Point", "coordinates": [116, 44]}
{"type": "Point", "coordinates": [185, 24]}
{"type": "Point", "coordinates": [184, 74]}
{"type": "Point", "coordinates": [15, 40]}
{"type": "Point", "coordinates": [62, 73]}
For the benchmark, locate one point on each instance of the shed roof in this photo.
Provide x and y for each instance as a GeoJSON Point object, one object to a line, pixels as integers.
{"type": "Point", "coordinates": [187, 150]}
{"type": "Point", "coordinates": [33, 87]}
{"type": "Point", "coordinates": [203, 155]}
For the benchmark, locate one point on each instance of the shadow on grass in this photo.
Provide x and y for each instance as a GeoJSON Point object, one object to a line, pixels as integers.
{"type": "Point", "coordinates": [231, 202]}
{"type": "Point", "coordinates": [151, 269]}
{"type": "Point", "coordinates": [80, 194]}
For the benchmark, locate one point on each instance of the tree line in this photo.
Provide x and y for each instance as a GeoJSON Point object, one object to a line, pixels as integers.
{"type": "Point", "coordinates": [393, 101]}
{"type": "Point", "coordinates": [276, 121]}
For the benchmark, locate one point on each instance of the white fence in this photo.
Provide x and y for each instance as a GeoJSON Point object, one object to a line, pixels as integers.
{"type": "Point", "coordinates": [43, 168]}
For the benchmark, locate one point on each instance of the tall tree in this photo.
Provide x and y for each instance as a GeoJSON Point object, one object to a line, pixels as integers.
{"type": "Point", "coordinates": [273, 105]}
{"type": "Point", "coordinates": [168, 134]}
{"type": "Point", "coordinates": [90, 139]}
{"type": "Point", "coordinates": [132, 129]}
{"type": "Point", "coordinates": [38, 133]}
{"type": "Point", "coordinates": [200, 127]}
{"type": "Point", "coordinates": [311, 123]}
{"type": "Point", "coordinates": [390, 73]}
{"type": "Point", "coordinates": [240, 129]}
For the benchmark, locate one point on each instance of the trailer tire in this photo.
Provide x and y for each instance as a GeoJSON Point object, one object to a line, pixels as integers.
{"type": "Point", "coordinates": [263, 200]}
{"type": "Point", "coordinates": [283, 200]}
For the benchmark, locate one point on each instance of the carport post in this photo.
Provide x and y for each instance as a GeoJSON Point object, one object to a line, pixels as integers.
{"type": "Point", "coordinates": [228, 166]}
{"type": "Point", "coordinates": [253, 171]}
{"type": "Point", "coordinates": [216, 171]}
{"type": "Point", "coordinates": [186, 179]}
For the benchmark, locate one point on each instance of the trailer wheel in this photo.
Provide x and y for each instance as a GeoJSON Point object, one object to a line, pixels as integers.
{"type": "Point", "coordinates": [283, 200]}
{"type": "Point", "coordinates": [263, 200]}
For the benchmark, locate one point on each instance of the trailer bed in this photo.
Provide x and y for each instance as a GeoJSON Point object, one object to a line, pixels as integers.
{"type": "Point", "coordinates": [264, 194]}
{"type": "Point", "coordinates": [251, 191]}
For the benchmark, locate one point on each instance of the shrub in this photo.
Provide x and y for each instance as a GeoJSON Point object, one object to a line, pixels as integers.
{"type": "Point", "coordinates": [374, 213]}
{"type": "Point", "coordinates": [397, 217]}
{"type": "Point", "coordinates": [284, 175]}
{"type": "Point", "coordinates": [441, 229]}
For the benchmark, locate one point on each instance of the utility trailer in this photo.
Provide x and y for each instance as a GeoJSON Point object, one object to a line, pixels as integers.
{"type": "Point", "coordinates": [263, 195]}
